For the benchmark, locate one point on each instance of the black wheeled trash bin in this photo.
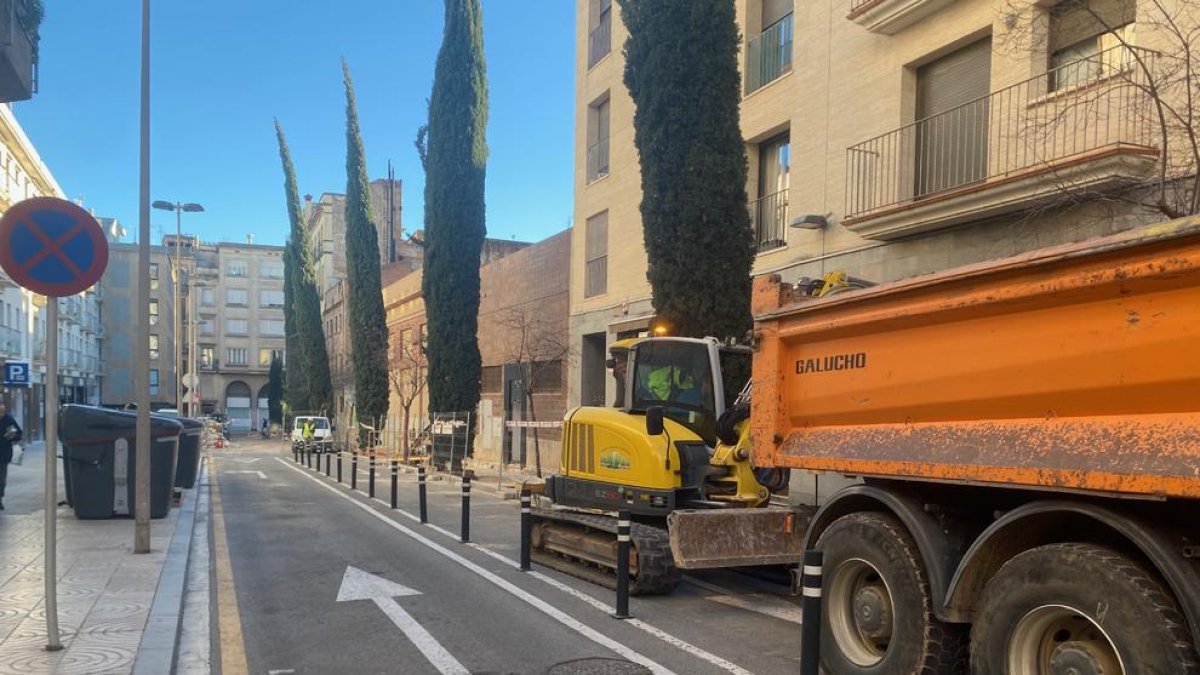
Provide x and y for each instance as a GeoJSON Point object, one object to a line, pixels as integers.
{"type": "Point", "coordinates": [188, 466]}
{"type": "Point", "coordinates": [99, 461]}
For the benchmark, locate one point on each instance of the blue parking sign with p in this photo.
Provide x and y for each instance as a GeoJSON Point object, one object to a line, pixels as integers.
{"type": "Point", "coordinates": [16, 374]}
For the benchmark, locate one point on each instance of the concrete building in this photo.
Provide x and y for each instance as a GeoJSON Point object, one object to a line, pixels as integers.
{"type": "Point", "coordinates": [120, 320]}
{"type": "Point", "coordinates": [239, 329]}
{"type": "Point", "coordinates": [325, 220]}
{"type": "Point", "coordinates": [23, 328]}
{"type": "Point", "coordinates": [933, 134]}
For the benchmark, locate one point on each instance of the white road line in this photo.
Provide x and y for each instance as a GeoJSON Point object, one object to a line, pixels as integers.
{"type": "Point", "coordinates": [761, 603]}
{"type": "Point", "coordinates": [533, 601]}
{"type": "Point", "coordinates": [607, 609]}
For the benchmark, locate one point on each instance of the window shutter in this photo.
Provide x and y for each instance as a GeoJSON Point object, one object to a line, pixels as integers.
{"type": "Point", "coordinates": [774, 10]}
{"type": "Point", "coordinates": [955, 79]}
{"type": "Point", "coordinates": [1074, 21]}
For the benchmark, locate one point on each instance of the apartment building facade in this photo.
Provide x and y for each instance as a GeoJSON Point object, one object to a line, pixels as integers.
{"type": "Point", "coordinates": [120, 321]}
{"type": "Point", "coordinates": [929, 134]}
{"type": "Point", "coordinates": [23, 330]}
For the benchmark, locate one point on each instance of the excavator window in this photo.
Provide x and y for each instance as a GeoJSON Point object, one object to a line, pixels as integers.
{"type": "Point", "coordinates": [678, 377]}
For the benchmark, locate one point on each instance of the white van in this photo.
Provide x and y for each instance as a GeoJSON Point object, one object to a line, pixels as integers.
{"type": "Point", "coordinates": [322, 431]}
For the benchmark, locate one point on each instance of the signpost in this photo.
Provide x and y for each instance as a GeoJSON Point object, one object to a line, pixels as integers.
{"type": "Point", "coordinates": [55, 248]}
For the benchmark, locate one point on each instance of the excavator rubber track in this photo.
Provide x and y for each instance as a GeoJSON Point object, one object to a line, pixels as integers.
{"type": "Point", "coordinates": [584, 545]}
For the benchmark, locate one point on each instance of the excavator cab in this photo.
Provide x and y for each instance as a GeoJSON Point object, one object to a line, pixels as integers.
{"type": "Point", "coordinates": [683, 377]}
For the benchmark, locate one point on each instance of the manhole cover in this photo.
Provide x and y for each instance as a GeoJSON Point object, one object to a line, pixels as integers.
{"type": "Point", "coordinates": [598, 667]}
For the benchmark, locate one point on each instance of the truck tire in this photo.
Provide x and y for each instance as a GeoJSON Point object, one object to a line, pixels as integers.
{"type": "Point", "coordinates": [877, 614]}
{"type": "Point", "coordinates": [1078, 608]}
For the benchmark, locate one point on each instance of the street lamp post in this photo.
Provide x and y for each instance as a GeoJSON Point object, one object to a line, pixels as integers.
{"type": "Point", "coordinates": [178, 208]}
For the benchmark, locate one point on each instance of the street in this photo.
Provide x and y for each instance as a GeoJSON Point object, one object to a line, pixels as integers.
{"type": "Point", "coordinates": [327, 580]}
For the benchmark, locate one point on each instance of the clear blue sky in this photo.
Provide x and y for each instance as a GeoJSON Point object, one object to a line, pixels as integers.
{"type": "Point", "coordinates": [222, 69]}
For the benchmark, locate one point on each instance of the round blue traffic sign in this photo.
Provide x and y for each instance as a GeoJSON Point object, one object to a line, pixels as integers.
{"type": "Point", "coordinates": [52, 246]}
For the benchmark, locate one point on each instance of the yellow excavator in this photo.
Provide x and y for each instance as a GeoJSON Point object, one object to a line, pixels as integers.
{"type": "Point", "coordinates": [676, 441]}
{"type": "Point", "coordinates": [674, 449]}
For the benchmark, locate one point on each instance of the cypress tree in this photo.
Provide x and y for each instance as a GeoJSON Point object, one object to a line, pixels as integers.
{"type": "Point", "coordinates": [455, 164]}
{"type": "Point", "coordinates": [296, 387]}
{"type": "Point", "coordinates": [306, 303]}
{"type": "Point", "coordinates": [275, 391]}
{"type": "Point", "coordinates": [695, 215]}
{"type": "Point", "coordinates": [368, 325]}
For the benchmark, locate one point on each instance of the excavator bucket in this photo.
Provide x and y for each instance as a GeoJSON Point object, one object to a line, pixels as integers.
{"type": "Point", "coordinates": [706, 538]}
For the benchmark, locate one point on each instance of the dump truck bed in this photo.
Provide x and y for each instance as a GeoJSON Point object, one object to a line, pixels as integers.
{"type": "Point", "coordinates": [1071, 368]}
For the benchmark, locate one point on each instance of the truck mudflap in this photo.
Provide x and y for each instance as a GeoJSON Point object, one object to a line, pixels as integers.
{"type": "Point", "coordinates": [707, 538]}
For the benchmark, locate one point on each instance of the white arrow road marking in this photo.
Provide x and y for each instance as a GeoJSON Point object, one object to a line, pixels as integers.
{"type": "Point", "coordinates": [360, 585]}
{"type": "Point", "coordinates": [260, 474]}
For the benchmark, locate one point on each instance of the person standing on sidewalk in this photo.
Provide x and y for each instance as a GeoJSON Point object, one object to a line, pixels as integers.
{"type": "Point", "coordinates": [10, 432]}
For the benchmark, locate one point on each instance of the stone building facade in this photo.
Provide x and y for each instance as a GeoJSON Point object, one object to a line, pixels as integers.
{"type": "Point", "coordinates": [968, 131]}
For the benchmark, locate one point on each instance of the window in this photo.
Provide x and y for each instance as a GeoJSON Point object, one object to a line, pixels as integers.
{"type": "Point", "coordinates": [270, 299]}
{"type": "Point", "coordinates": [769, 211]}
{"type": "Point", "coordinates": [271, 271]}
{"type": "Point", "coordinates": [208, 326]}
{"type": "Point", "coordinates": [237, 268]}
{"type": "Point", "coordinates": [154, 381]}
{"type": "Point", "coordinates": [153, 347]}
{"type": "Point", "coordinates": [265, 356]}
{"type": "Point", "coordinates": [236, 327]}
{"type": "Point", "coordinates": [491, 379]}
{"type": "Point", "coordinates": [208, 357]}
{"type": "Point", "coordinates": [237, 296]}
{"type": "Point", "coordinates": [154, 312]}
{"type": "Point", "coordinates": [597, 138]}
{"type": "Point", "coordinates": [208, 297]}
{"type": "Point", "coordinates": [273, 327]}
{"type": "Point", "coordinates": [235, 356]}
{"type": "Point", "coordinates": [600, 35]}
{"type": "Point", "coordinates": [1086, 40]}
{"type": "Point", "coordinates": [596, 256]}
{"type": "Point", "coordinates": [154, 276]}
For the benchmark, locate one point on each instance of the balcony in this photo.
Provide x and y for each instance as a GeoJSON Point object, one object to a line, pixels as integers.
{"type": "Point", "coordinates": [769, 55]}
{"type": "Point", "coordinates": [768, 218]}
{"type": "Point", "coordinates": [1026, 144]}
{"type": "Point", "coordinates": [600, 39]}
{"type": "Point", "coordinates": [18, 50]}
{"type": "Point", "coordinates": [888, 17]}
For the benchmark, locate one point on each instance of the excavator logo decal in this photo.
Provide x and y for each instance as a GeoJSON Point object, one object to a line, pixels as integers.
{"type": "Point", "coordinates": [614, 459]}
{"type": "Point", "coordinates": [831, 363]}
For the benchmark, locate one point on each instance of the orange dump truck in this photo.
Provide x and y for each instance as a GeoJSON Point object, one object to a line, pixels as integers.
{"type": "Point", "coordinates": [1027, 434]}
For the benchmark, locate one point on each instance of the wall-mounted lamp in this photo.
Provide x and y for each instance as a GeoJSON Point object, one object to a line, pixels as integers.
{"type": "Point", "coordinates": [812, 221]}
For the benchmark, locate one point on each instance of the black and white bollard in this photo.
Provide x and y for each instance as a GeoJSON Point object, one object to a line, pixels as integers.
{"type": "Point", "coordinates": [327, 460]}
{"type": "Point", "coordinates": [810, 626]}
{"type": "Point", "coordinates": [307, 456]}
{"type": "Point", "coordinates": [421, 494]}
{"type": "Point", "coordinates": [339, 469]}
{"type": "Point", "coordinates": [466, 508]}
{"type": "Point", "coordinates": [526, 527]}
{"type": "Point", "coordinates": [371, 475]}
{"type": "Point", "coordinates": [623, 525]}
{"type": "Point", "coordinates": [393, 483]}
{"type": "Point", "coordinates": [354, 470]}
{"type": "Point", "coordinates": [296, 453]}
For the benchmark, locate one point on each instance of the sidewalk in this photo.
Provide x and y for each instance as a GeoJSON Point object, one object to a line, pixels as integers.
{"type": "Point", "coordinates": [105, 592]}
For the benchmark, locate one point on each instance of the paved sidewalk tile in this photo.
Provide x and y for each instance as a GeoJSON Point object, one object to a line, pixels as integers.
{"type": "Point", "coordinates": [105, 592]}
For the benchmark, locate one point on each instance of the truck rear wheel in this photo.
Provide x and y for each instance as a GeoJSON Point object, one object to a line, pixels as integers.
{"type": "Point", "coordinates": [1078, 608]}
{"type": "Point", "coordinates": [878, 612]}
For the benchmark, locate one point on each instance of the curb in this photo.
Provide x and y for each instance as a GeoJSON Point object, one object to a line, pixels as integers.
{"type": "Point", "coordinates": [156, 653]}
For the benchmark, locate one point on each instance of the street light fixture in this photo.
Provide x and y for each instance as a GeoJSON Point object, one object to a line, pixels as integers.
{"type": "Point", "coordinates": [179, 208]}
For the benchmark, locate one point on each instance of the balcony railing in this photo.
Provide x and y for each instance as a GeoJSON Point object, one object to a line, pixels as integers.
{"type": "Point", "coordinates": [769, 55]}
{"type": "Point", "coordinates": [1031, 127]}
{"type": "Point", "coordinates": [597, 160]}
{"type": "Point", "coordinates": [768, 217]}
{"type": "Point", "coordinates": [600, 39]}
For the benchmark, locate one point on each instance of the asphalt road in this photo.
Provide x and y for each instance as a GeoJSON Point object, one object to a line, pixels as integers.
{"type": "Point", "coordinates": [416, 600]}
